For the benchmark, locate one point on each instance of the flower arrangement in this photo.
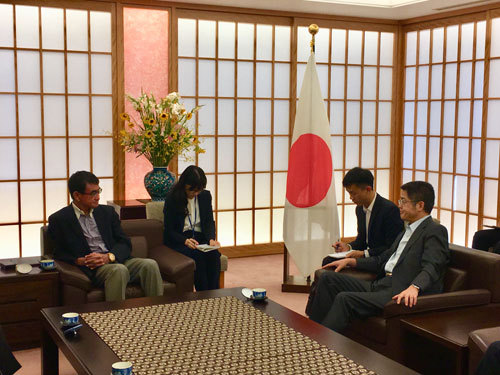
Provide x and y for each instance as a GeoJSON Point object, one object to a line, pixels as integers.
{"type": "Point", "coordinates": [162, 130]}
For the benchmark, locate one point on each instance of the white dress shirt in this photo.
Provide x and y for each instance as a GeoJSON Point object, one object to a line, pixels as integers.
{"type": "Point", "coordinates": [193, 216]}
{"type": "Point", "coordinates": [368, 214]}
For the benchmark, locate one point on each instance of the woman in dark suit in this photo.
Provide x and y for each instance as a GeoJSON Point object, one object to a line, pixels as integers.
{"type": "Point", "coordinates": [189, 222]}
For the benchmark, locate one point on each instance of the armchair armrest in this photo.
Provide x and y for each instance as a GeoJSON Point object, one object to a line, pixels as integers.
{"type": "Point", "coordinates": [440, 301]}
{"type": "Point", "coordinates": [72, 275]}
{"type": "Point", "coordinates": [172, 264]}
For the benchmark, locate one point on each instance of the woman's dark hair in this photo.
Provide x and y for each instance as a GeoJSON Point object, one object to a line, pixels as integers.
{"type": "Point", "coordinates": [192, 176]}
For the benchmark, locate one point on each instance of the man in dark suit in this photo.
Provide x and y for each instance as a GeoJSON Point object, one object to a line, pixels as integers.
{"type": "Point", "coordinates": [8, 363]}
{"type": "Point", "coordinates": [90, 236]}
{"type": "Point", "coordinates": [413, 265]}
{"type": "Point", "coordinates": [378, 218]}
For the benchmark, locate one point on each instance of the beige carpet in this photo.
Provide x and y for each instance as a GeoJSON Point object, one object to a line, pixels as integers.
{"type": "Point", "coordinates": [263, 271]}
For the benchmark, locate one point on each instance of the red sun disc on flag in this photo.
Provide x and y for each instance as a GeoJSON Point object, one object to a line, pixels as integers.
{"type": "Point", "coordinates": [309, 171]}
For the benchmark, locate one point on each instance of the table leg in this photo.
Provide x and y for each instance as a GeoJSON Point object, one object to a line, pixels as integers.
{"type": "Point", "coordinates": [50, 355]}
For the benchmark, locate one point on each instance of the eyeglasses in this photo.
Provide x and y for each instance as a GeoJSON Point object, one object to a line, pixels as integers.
{"type": "Point", "coordinates": [403, 201]}
{"type": "Point", "coordinates": [93, 193]}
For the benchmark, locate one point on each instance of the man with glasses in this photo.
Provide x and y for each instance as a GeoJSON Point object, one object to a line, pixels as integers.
{"type": "Point", "coordinates": [413, 265]}
{"type": "Point", "coordinates": [90, 236]}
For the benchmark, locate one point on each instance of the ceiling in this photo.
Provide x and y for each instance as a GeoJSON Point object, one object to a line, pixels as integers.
{"type": "Point", "coordinates": [350, 7]}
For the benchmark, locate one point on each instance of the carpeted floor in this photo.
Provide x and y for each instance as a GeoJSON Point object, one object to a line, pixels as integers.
{"type": "Point", "coordinates": [262, 271]}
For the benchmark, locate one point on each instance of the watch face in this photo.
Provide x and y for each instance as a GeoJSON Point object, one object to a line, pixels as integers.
{"type": "Point", "coordinates": [111, 257]}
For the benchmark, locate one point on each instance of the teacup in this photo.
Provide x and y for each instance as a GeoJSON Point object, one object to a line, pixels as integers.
{"type": "Point", "coordinates": [121, 368]}
{"type": "Point", "coordinates": [47, 264]}
{"type": "Point", "coordinates": [70, 319]}
{"type": "Point", "coordinates": [258, 293]}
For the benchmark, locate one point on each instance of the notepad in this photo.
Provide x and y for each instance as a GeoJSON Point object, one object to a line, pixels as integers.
{"type": "Point", "coordinates": [205, 247]}
{"type": "Point", "coordinates": [340, 255]}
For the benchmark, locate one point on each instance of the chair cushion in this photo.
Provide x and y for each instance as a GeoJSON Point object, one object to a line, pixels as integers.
{"type": "Point", "coordinates": [154, 210]}
{"type": "Point", "coordinates": [454, 279]}
{"type": "Point", "coordinates": [139, 247]}
{"type": "Point", "coordinates": [223, 263]}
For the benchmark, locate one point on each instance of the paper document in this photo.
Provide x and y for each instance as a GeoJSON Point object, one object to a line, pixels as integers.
{"type": "Point", "coordinates": [205, 247]}
{"type": "Point", "coordinates": [340, 255]}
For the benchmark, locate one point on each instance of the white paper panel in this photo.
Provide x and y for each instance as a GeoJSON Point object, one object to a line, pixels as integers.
{"type": "Point", "coordinates": [419, 176]}
{"type": "Point", "coordinates": [434, 154]}
{"type": "Point", "coordinates": [264, 42]}
{"type": "Point", "coordinates": [263, 114]}
{"type": "Point", "coordinates": [475, 157]}
{"type": "Point", "coordinates": [371, 47]}
{"type": "Point", "coordinates": [102, 156]}
{"type": "Point", "coordinates": [262, 226]}
{"type": "Point", "coordinates": [493, 128]}
{"type": "Point", "coordinates": [462, 162]}
{"type": "Point", "coordinates": [245, 40]}
{"type": "Point", "coordinates": [8, 201]}
{"type": "Point", "coordinates": [211, 187]}
{"type": "Point", "coordinates": [474, 195]}
{"type": "Point", "coordinates": [301, 69]}
{"type": "Point", "coordinates": [479, 79]}
{"type": "Point", "coordinates": [102, 115]}
{"type": "Point", "coordinates": [101, 74]}
{"type": "Point", "coordinates": [27, 26]}
{"type": "Point", "coordinates": [278, 225]}
{"type": "Point", "coordinates": [339, 190]}
{"type": "Point", "coordinates": [337, 145]}
{"type": "Point", "coordinates": [280, 157]}
{"type": "Point", "coordinates": [477, 118]}
{"type": "Point", "coordinates": [490, 204]}
{"type": "Point", "coordinates": [352, 118]}
{"type": "Point", "coordinates": [480, 39]}
{"type": "Point", "coordinates": [244, 227]}
{"type": "Point", "coordinates": [370, 83]}
{"type": "Point", "coordinates": [382, 182]}
{"type": "Point", "coordinates": [337, 82]}
{"type": "Point", "coordinates": [449, 118]}
{"type": "Point", "coordinates": [226, 116]}
{"type": "Point", "coordinates": [336, 117]}
{"type": "Point", "coordinates": [6, 25]}
{"type": "Point", "coordinates": [448, 147]}
{"type": "Point", "coordinates": [495, 37]}
{"type": "Point", "coordinates": [281, 117]}
{"type": "Point", "coordinates": [187, 38]}
{"type": "Point", "coordinates": [433, 179]}
{"type": "Point", "coordinates": [8, 110]}
{"type": "Point", "coordinates": [354, 47]}
{"type": "Point", "coordinates": [32, 201]}
{"type": "Point", "coordinates": [422, 118]}
{"type": "Point", "coordinates": [465, 80]}
{"type": "Point", "coordinates": [244, 159]}
{"type": "Point", "coordinates": [225, 157]}
{"type": "Point", "coordinates": [55, 158]}
{"type": "Point", "coordinates": [303, 40]}
{"type": "Point", "coordinates": [263, 190]}
{"type": "Point", "coordinates": [368, 152]}
{"type": "Point", "coordinates": [446, 191]}
{"type": "Point", "coordinates": [28, 71]}
{"type": "Point", "coordinates": [226, 39]}
{"type": "Point", "coordinates": [420, 153]}
{"type": "Point", "coordinates": [451, 43]}
{"type": "Point", "coordinates": [383, 152]}
{"type": "Point", "coordinates": [411, 48]}
{"type": "Point", "coordinates": [408, 152]}
{"type": "Point", "coordinates": [206, 116]}
{"type": "Point", "coordinates": [76, 30]}
{"type": "Point", "coordinates": [244, 191]}
{"type": "Point", "coordinates": [263, 154]}
{"type": "Point", "coordinates": [79, 155]}
{"type": "Point", "coordinates": [263, 80]}
{"type": "Point", "coordinates": [29, 115]}
{"type": "Point", "coordinates": [54, 115]}
{"type": "Point", "coordinates": [472, 229]}
{"type": "Point", "coordinates": [8, 159]}
{"type": "Point", "coordinates": [78, 115]}
{"type": "Point", "coordinates": [459, 229]}
{"type": "Point", "coordinates": [187, 77]}
{"type": "Point", "coordinates": [445, 219]}
{"type": "Point", "coordinates": [206, 161]}
{"type": "Point", "coordinates": [463, 118]}
{"type": "Point", "coordinates": [437, 44]}
{"type": "Point", "coordinates": [100, 31]}
{"type": "Point", "coordinates": [53, 72]}
{"type": "Point", "coordinates": [7, 73]}
{"type": "Point", "coordinates": [494, 89]}
{"type": "Point", "coordinates": [322, 71]}
{"type": "Point", "coordinates": [384, 118]}
{"type": "Point", "coordinates": [78, 73]}
{"type": "Point", "coordinates": [423, 82]}
{"type": "Point", "coordinates": [281, 80]}
{"type": "Point", "coordinates": [30, 157]}
{"type": "Point", "coordinates": [245, 117]}
{"type": "Point", "coordinates": [55, 196]}
{"type": "Point", "coordinates": [492, 159]}
{"type": "Point", "coordinates": [107, 189]}
{"type": "Point", "coordinates": [279, 189]}
{"type": "Point", "coordinates": [410, 84]}
{"type": "Point", "coordinates": [450, 83]}
{"type": "Point", "coordinates": [424, 47]}
{"type": "Point", "coordinates": [282, 43]}
{"type": "Point", "coordinates": [338, 45]}
{"type": "Point", "coordinates": [409, 124]}
{"type": "Point", "coordinates": [245, 79]}
{"type": "Point", "coordinates": [206, 40]}
{"type": "Point", "coordinates": [467, 41]}
{"type": "Point", "coordinates": [226, 78]}
{"type": "Point", "coordinates": [369, 118]}
{"type": "Point", "coordinates": [225, 228]}
{"type": "Point", "coordinates": [436, 81]}
{"type": "Point", "coordinates": [52, 28]}
{"type": "Point", "coordinates": [322, 48]}
{"type": "Point", "coordinates": [350, 226]}
{"type": "Point", "coordinates": [386, 48]}
{"type": "Point", "coordinates": [435, 119]}
{"type": "Point", "coordinates": [353, 82]}
{"type": "Point", "coordinates": [352, 152]}
{"type": "Point", "coordinates": [206, 86]}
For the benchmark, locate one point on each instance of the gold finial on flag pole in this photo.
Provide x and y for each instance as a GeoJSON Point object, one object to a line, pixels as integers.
{"type": "Point", "coordinates": [313, 30]}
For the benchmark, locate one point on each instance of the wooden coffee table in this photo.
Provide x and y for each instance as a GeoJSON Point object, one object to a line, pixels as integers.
{"type": "Point", "coordinates": [88, 354]}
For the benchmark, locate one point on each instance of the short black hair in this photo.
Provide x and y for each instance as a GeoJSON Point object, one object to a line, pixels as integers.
{"type": "Point", "coordinates": [420, 191]}
{"type": "Point", "coordinates": [359, 177]}
{"type": "Point", "coordinates": [79, 180]}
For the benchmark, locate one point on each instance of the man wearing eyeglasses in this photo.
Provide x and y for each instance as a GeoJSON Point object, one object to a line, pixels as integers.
{"type": "Point", "coordinates": [90, 236]}
{"type": "Point", "coordinates": [412, 266]}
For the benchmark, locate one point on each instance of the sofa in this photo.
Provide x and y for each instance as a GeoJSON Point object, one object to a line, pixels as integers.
{"type": "Point", "coordinates": [478, 343]}
{"type": "Point", "coordinates": [146, 236]}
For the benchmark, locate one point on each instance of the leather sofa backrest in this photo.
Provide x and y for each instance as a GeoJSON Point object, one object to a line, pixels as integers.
{"type": "Point", "coordinates": [46, 243]}
{"type": "Point", "coordinates": [139, 247]}
{"type": "Point", "coordinates": [454, 279]}
{"type": "Point", "coordinates": [150, 229]}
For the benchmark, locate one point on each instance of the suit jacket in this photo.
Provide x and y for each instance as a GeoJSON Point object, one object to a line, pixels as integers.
{"type": "Point", "coordinates": [174, 220]}
{"type": "Point", "coordinates": [70, 242]}
{"type": "Point", "coordinates": [422, 262]}
{"type": "Point", "coordinates": [8, 363]}
{"type": "Point", "coordinates": [384, 226]}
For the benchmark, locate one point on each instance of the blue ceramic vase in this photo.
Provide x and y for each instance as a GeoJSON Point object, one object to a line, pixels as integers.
{"type": "Point", "coordinates": [158, 182]}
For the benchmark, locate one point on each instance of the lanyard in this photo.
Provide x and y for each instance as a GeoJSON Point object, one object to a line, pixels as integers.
{"type": "Point", "coordinates": [192, 224]}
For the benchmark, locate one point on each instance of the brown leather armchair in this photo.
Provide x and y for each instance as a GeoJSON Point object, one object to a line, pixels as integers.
{"type": "Point", "coordinates": [478, 343]}
{"type": "Point", "coordinates": [472, 279]}
{"type": "Point", "coordinates": [146, 236]}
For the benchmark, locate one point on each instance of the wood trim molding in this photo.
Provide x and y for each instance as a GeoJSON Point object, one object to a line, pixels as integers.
{"type": "Point", "coordinates": [253, 250]}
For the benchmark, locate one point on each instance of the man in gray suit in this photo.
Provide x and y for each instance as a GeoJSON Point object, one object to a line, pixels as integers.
{"type": "Point", "coordinates": [413, 265]}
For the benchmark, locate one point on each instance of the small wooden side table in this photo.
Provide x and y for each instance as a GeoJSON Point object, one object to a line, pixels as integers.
{"type": "Point", "coordinates": [130, 209]}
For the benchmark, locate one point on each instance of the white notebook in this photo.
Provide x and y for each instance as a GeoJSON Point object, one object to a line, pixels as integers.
{"type": "Point", "coordinates": [340, 255]}
{"type": "Point", "coordinates": [205, 247]}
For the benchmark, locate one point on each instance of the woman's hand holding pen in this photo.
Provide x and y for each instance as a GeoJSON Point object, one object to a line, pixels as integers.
{"type": "Point", "coordinates": [340, 246]}
{"type": "Point", "coordinates": [191, 243]}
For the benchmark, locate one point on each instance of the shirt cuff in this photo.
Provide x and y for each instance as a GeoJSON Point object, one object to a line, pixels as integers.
{"type": "Point", "coordinates": [349, 246]}
{"type": "Point", "coordinates": [367, 254]}
{"type": "Point", "coordinates": [416, 286]}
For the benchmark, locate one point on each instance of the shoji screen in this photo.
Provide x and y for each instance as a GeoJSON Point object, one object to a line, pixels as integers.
{"type": "Point", "coordinates": [240, 73]}
{"type": "Point", "coordinates": [355, 70]}
{"type": "Point", "coordinates": [451, 132]}
{"type": "Point", "coordinates": [56, 101]}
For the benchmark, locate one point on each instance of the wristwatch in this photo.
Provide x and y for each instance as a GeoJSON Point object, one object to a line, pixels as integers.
{"type": "Point", "coordinates": [111, 257]}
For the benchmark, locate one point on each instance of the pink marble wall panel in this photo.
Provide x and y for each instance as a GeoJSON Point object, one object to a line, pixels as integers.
{"type": "Point", "coordinates": [146, 68]}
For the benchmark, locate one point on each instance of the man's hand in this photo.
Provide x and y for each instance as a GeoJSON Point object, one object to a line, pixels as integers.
{"type": "Point", "coordinates": [355, 254]}
{"type": "Point", "coordinates": [409, 295]}
{"type": "Point", "coordinates": [341, 264]}
{"type": "Point", "coordinates": [214, 243]}
{"type": "Point", "coordinates": [340, 246]}
{"type": "Point", "coordinates": [94, 260]}
{"type": "Point", "coordinates": [191, 243]}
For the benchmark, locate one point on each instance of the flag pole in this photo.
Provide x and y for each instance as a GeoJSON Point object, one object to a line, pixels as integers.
{"type": "Point", "coordinates": [313, 30]}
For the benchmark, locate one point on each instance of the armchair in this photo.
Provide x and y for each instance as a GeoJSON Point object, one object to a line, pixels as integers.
{"type": "Point", "coordinates": [146, 236]}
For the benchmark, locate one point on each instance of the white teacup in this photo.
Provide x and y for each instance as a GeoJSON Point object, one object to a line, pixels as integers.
{"type": "Point", "coordinates": [70, 319]}
{"type": "Point", "coordinates": [121, 368]}
{"type": "Point", "coordinates": [258, 293]}
{"type": "Point", "coordinates": [47, 264]}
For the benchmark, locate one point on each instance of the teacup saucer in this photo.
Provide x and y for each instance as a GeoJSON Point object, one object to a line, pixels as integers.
{"type": "Point", "coordinates": [247, 292]}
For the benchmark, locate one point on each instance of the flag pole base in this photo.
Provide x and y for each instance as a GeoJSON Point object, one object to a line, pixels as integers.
{"type": "Point", "coordinates": [296, 284]}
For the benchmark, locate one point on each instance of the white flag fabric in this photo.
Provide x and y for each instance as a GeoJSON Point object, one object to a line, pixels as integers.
{"type": "Point", "coordinates": [311, 222]}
